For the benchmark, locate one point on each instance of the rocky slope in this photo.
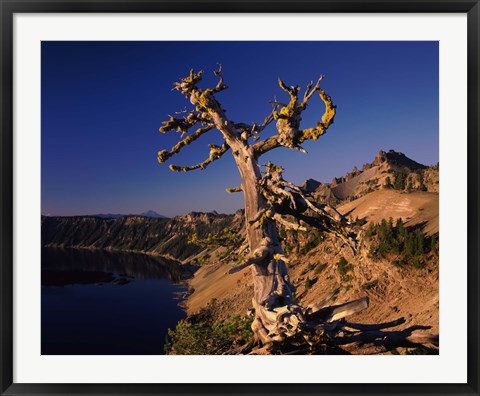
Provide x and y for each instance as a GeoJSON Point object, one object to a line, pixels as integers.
{"type": "Point", "coordinates": [392, 169]}
{"type": "Point", "coordinates": [395, 291]}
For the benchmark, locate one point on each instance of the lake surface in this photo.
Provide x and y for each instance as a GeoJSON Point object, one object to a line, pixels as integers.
{"type": "Point", "coordinates": [102, 303]}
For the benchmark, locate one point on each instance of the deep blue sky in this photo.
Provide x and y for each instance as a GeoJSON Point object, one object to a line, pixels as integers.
{"type": "Point", "coordinates": [103, 102]}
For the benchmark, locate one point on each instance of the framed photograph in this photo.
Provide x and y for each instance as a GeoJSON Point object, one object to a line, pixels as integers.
{"type": "Point", "coordinates": [236, 198]}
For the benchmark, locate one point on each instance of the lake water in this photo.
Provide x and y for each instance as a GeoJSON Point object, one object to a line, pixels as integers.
{"type": "Point", "coordinates": [102, 303]}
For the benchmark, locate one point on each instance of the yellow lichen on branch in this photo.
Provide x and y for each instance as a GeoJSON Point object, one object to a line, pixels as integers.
{"type": "Point", "coordinates": [327, 119]}
{"type": "Point", "coordinates": [215, 153]}
{"type": "Point", "coordinates": [183, 124]}
{"type": "Point", "coordinates": [330, 110]}
{"type": "Point", "coordinates": [289, 118]}
{"type": "Point", "coordinates": [234, 190]}
{"type": "Point", "coordinates": [186, 84]}
{"type": "Point", "coordinates": [164, 155]}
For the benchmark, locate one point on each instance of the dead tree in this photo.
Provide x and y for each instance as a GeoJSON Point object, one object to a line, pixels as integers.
{"type": "Point", "coordinates": [268, 198]}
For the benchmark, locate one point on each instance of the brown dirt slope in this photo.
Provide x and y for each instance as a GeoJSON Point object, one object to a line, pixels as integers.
{"type": "Point", "coordinates": [414, 208]}
{"type": "Point", "coordinates": [394, 291]}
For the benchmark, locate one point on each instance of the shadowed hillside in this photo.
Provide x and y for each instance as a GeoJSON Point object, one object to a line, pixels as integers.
{"type": "Point", "coordinates": [168, 237]}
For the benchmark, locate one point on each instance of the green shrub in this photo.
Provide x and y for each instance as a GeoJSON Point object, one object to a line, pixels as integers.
{"type": "Point", "coordinates": [400, 181]}
{"type": "Point", "coordinates": [417, 262]}
{"type": "Point", "coordinates": [388, 183]}
{"type": "Point", "coordinates": [309, 268]}
{"type": "Point", "coordinates": [434, 244]}
{"type": "Point", "coordinates": [343, 266]}
{"type": "Point", "coordinates": [421, 179]}
{"type": "Point", "coordinates": [360, 222]}
{"type": "Point", "coordinates": [347, 278]}
{"type": "Point", "coordinates": [370, 285]}
{"type": "Point", "coordinates": [308, 283]}
{"type": "Point", "coordinates": [227, 238]}
{"type": "Point", "coordinates": [204, 338]}
{"type": "Point", "coordinates": [314, 238]}
{"type": "Point", "coordinates": [320, 268]}
{"type": "Point", "coordinates": [406, 244]}
{"type": "Point", "coordinates": [421, 350]}
{"type": "Point", "coordinates": [223, 255]}
{"type": "Point", "coordinates": [398, 262]}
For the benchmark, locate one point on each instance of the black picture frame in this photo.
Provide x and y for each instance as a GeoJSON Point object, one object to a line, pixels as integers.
{"type": "Point", "coordinates": [10, 7]}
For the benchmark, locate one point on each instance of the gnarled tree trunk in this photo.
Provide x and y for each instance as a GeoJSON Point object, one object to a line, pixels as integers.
{"type": "Point", "coordinates": [276, 313]}
{"type": "Point", "coordinates": [273, 293]}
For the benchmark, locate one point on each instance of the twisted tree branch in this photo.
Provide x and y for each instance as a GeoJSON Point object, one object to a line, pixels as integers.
{"type": "Point", "coordinates": [165, 155]}
{"type": "Point", "coordinates": [220, 85]}
{"type": "Point", "coordinates": [289, 117]}
{"type": "Point", "coordinates": [327, 120]}
{"type": "Point", "coordinates": [234, 189]}
{"type": "Point", "coordinates": [310, 91]}
{"type": "Point", "coordinates": [216, 152]}
{"type": "Point", "coordinates": [183, 124]}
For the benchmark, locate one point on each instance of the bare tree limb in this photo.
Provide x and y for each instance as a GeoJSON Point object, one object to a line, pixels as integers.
{"type": "Point", "coordinates": [187, 84]}
{"type": "Point", "coordinates": [164, 155]}
{"type": "Point", "coordinates": [327, 120]}
{"type": "Point", "coordinates": [289, 117]}
{"type": "Point", "coordinates": [276, 103]}
{"type": "Point", "coordinates": [220, 85]}
{"type": "Point", "coordinates": [215, 153]}
{"type": "Point", "coordinates": [256, 257]}
{"type": "Point", "coordinates": [288, 224]}
{"type": "Point", "coordinates": [310, 91]}
{"type": "Point", "coordinates": [234, 189]}
{"type": "Point", "coordinates": [312, 308]}
{"type": "Point", "coordinates": [268, 119]}
{"type": "Point", "coordinates": [336, 312]}
{"type": "Point", "coordinates": [266, 145]}
{"type": "Point", "coordinates": [183, 124]}
{"type": "Point", "coordinates": [206, 104]}
{"type": "Point", "coordinates": [292, 91]}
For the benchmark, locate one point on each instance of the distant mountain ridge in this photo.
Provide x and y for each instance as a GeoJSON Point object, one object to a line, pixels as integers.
{"type": "Point", "coordinates": [149, 213]}
{"type": "Point", "coordinates": [389, 169]}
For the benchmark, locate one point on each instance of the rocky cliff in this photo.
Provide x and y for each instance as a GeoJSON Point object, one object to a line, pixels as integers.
{"type": "Point", "coordinates": [160, 236]}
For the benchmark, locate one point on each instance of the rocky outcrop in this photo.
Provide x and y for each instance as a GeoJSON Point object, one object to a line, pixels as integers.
{"type": "Point", "coordinates": [310, 185]}
{"type": "Point", "coordinates": [384, 169]}
{"type": "Point", "coordinates": [396, 159]}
